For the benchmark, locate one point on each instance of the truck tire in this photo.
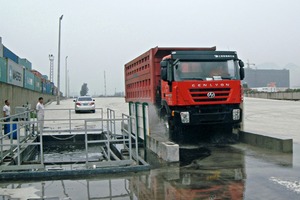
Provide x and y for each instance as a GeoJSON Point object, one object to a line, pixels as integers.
{"type": "Point", "coordinates": [177, 134]}
{"type": "Point", "coordinates": [174, 131]}
{"type": "Point", "coordinates": [225, 135]}
{"type": "Point", "coordinates": [169, 126]}
{"type": "Point", "coordinates": [236, 134]}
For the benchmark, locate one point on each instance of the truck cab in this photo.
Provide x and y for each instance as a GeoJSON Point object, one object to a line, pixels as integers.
{"type": "Point", "coordinates": [201, 88]}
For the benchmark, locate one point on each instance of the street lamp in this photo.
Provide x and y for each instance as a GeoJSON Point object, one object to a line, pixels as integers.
{"type": "Point", "coordinates": [51, 75]}
{"type": "Point", "coordinates": [66, 77]}
{"type": "Point", "coordinates": [58, 65]}
{"type": "Point", "coordinates": [68, 83]}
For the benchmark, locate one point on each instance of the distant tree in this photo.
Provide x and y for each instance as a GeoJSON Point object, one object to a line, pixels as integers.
{"type": "Point", "coordinates": [84, 89]}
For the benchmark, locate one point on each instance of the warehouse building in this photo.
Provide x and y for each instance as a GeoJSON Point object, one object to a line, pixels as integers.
{"type": "Point", "coordinates": [256, 78]}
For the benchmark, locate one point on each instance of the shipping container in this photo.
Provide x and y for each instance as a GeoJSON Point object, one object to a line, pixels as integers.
{"type": "Point", "coordinates": [3, 70]}
{"type": "Point", "coordinates": [15, 73]}
{"type": "Point", "coordinates": [9, 54]}
{"type": "Point", "coordinates": [45, 77]}
{"type": "Point", "coordinates": [26, 63]}
{"type": "Point", "coordinates": [37, 84]}
{"type": "Point", "coordinates": [37, 73]}
{"type": "Point", "coordinates": [44, 87]}
{"type": "Point", "coordinates": [28, 80]}
{"type": "Point", "coordinates": [48, 88]}
{"type": "Point", "coordinates": [1, 47]}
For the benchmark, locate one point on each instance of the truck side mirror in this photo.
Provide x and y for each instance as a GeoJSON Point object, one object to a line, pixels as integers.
{"type": "Point", "coordinates": [241, 64]}
{"type": "Point", "coordinates": [164, 74]}
{"type": "Point", "coordinates": [242, 73]}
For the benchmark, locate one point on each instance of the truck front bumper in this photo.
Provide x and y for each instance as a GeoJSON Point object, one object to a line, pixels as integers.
{"type": "Point", "coordinates": [229, 114]}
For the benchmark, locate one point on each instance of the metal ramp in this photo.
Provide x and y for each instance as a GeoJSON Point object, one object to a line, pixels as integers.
{"type": "Point", "coordinates": [24, 156]}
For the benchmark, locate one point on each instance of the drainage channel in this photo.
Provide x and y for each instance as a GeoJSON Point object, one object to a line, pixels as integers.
{"type": "Point", "coordinates": [57, 153]}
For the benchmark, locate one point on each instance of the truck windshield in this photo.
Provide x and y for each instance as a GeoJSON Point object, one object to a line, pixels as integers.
{"type": "Point", "coordinates": [206, 70]}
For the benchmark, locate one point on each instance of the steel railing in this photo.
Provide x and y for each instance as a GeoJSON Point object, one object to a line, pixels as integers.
{"type": "Point", "coordinates": [18, 124]}
{"type": "Point", "coordinates": [117, 131]}
{"type": "Point", "coordinates": [63, 123]}
{"type": "Point", "coordinates": [125, 137]}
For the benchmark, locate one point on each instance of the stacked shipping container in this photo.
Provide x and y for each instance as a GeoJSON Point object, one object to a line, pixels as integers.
{"type": "Point", "coordinates": [18, 71]}
{"type": "Point", "coordinates": [9, 54]}
{"type": "Point", "coordinates": [15, 73]}
{"type": "Point", "coordinates": [1, 47]}
{"type": "Point", "coordinates": [29, 80]}
{"type": "Point", "coordinates": [3, 71]}
{"type": "Point", "coordinates": [26, 63]}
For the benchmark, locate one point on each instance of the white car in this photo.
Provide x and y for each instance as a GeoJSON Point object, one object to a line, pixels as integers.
{"type": "Point", "coordinates": [85, 103]}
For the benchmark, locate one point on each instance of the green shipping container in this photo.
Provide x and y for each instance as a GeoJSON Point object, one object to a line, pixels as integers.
{"type": "Point", "coordinates": [29, 80]}
{"type": "Point", "coordinates": [3, 70]}
{"type": "Point", "coordinates": [26, 63]}
{"type": "Point", "coordinates": [37, 84]}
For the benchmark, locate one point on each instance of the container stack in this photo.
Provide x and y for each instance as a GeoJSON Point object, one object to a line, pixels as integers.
{"type": "Point", "coordinates": [19, 72]}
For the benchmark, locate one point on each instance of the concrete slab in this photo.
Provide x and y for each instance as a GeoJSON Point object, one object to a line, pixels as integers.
{"type": "Point", "coordinates": [267, 142]}
{"type": "Point", "coordinates": [273, 118]}
{"type": "Point", "coordinates": [165, 150]}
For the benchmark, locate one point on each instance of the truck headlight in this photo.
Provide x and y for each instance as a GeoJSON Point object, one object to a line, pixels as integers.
{"type": "Point", "coordinates": [185, 117]}
{"type": "Point", "coordinates": [236, 114]}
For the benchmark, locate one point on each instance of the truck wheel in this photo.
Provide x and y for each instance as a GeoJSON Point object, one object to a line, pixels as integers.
{"type": "Point", "coordinates": [169, 126]}
{"type": "Point", "coordinates": [236, 134]}
{"type": "Point", "coordinates": [177, 134]}
{"type": "Point", "coordinates": [230, 134]}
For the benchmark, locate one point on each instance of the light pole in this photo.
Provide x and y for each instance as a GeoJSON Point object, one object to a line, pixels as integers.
{"type": "Point", "coordinates": [66, 77]}
{"type": "Point", "coordinates": [58, 65]}
{"type": "Point", "coordinates": [68, 83]}
{"type": "Point", "coordinates": [51, 75]}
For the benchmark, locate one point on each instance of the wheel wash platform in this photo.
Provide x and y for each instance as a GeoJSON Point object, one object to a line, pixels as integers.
{"type": "Point", "coordinates": [69, 145]}
{"type": "Point", "coordinates": [74, 145]}
{"type": "Point", "coordinates": [158, 141]}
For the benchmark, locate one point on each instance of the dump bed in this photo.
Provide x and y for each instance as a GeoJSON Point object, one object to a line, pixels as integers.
{"type": "Point", "coordinates": [142, 74]}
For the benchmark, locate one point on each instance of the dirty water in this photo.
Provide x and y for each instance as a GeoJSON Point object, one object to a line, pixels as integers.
{"type": "Point", "coordinates": [228, 172]}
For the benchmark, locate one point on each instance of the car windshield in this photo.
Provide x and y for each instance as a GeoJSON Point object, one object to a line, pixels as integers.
{"type": "Point", "coordinates": [84, 99]}
{"type": "Point", "coordinates": [206, 70]}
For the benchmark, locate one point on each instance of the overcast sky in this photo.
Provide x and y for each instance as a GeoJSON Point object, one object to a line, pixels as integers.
{"type": "Point", "coordinates": [100, 35]}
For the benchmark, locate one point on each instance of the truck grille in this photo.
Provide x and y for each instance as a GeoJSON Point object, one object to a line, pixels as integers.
{"type": "Point", "coordinates": [201, 95]}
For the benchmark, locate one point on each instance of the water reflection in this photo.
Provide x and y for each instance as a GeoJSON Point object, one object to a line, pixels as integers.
{"type": "Point", "coordinates": [219, 175]}
{"type": "Point", "coordinates": [117, 188]}
{"type": "Point", "coordinates": [206, 173]}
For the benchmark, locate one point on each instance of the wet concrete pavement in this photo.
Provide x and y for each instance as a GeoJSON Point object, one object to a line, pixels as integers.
{"type": "Point", "coordinates": [211, 172]}
{"type": "Point", "coordinates": [274, 118]}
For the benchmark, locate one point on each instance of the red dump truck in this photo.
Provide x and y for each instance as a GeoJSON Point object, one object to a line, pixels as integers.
{"type": "Point", "coordinates": [189, 87]}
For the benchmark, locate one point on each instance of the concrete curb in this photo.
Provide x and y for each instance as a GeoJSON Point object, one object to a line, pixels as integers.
{"type": "Point", "coordinates": [267, 142]}
{"type": "Point", "coordinates": [167, 151]}
{"type": "Point", "coordinates": [48, 175]}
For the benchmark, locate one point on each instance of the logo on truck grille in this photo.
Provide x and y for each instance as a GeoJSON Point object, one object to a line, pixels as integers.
{"type": "Point", "coordinates": [211, 95]}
